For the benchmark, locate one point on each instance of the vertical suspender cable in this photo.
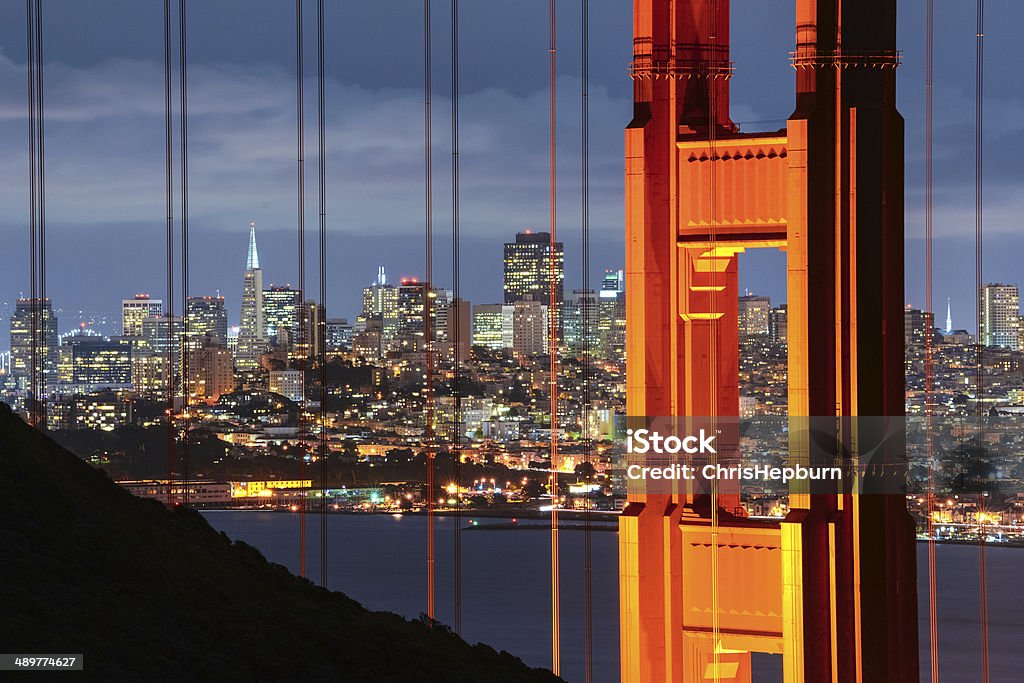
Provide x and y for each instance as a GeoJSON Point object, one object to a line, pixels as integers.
{"type": "Point", "coordinates": [428, 301]}
{"type": "Point", "coordinates": [553, 319]}
{"type": "Point", "coordinates": [169, 246]}
{"type": "Point", "coordinates": [320, 314]}
{"type": "Point", "coordinates": [588, 588]}
{"type": "Point", "coordinates": [929, 379]}
{"type": "Point", "coordinates": [456, 382]}
{"type": "Point", "coordinates": [35, 305]}
{"type": "Point", "coordinates": [41, 198]}
{"type": "Point", "coordinates": [182, 342]}
{"type": "Point", "coordinates": [300, 210]}
{"type": "Point", "coordinates": [979, 232]}
{"type": "Point", "coordinates": [44, 321]}
{"type": "Point", "coordinates": [40, 350]}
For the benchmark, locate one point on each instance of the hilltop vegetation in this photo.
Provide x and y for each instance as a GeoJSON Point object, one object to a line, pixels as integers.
{"type": "Point", "coordinates": [148, 593]}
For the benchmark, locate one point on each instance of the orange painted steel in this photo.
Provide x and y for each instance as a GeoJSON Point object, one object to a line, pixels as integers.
{"type": "Point", "coordinates": [831, 587]}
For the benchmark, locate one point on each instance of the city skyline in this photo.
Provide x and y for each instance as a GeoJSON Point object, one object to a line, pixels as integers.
{"type": "Point", "coordinates": [233, 300]}
{"type": "Point", "coordinates": [110, 185]}
{"type": "Point", "coordinates": [688, 291]}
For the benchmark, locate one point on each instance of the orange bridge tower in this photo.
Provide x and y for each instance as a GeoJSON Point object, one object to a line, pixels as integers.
{"type": "Point", "coordinates": [832, 586]}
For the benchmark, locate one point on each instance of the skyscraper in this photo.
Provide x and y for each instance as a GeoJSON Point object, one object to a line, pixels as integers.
{"type": "Point", "coordinates": [133, 311]}
{"type": "Point", "coordinates": [252, 340]}
{"type": "Point", "coordinates": [611, 320]}
{"type": "Point", "coordinates": [21, 330]}
{"type": "Point", "coordinates": [753, 315]}
{"type": "Point", "coordinates": [411, 308]}
{"type": "Point", "coordinates": [339, 334]}
{"type": "Point", "coordinates": [918, 326]}
{"type": "Point", "coordinates": [528, 268]}
{"type": "Point", "coordinates": [207, 317]}
{"type": "Point", "coordinates": [161, 343]}
{"type": "Point", "coordinates": [281, 314]}
{"type": "Point", "coordinates": [380, 302]}
{"type": "Point", "coordinates": [88, 364]}
{"type": "Point", "coordinates": [459, 326]}
{"type": "Point", "coordinates": [778, 323]}
{"type": "Point", "coordinates": [999, 310]}
{"type": "Point", "coordinates": [209, 371]}
{"type": "Point", "coordinates": [313, 323]}
{"type": "Point", "coordinates": [529, 328]}
{"type": "Point", "coordinates": [580, 320]}
{"type": "Point", "coordinates": [492, 326]}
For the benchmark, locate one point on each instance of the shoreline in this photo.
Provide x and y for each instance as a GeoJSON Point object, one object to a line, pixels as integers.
{"type": "Point", "coordinates": [604, 522]}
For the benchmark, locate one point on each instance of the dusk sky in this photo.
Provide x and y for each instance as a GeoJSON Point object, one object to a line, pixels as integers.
{"type": "Point", "coordinates": [104, 126]}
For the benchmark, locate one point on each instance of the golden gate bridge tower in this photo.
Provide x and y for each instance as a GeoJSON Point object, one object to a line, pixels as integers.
{"type": "Point", "coordinates": [832, 586]}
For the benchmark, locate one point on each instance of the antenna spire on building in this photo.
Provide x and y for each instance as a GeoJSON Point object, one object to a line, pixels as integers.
{"type": "Point", "coordinates": [252, 261]}
{"type": "Point", "coordinates": [949, 317]}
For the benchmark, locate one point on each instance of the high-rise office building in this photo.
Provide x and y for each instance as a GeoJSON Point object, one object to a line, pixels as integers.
{"type": "Point", "coordinates": [778, 324]}
{"type": "Point", "coordinates": [529, 328]}
{"type": "Point", "coordinates": [207, 320]}
{"type": "Point", "coordinates": [459, 327]}
{"type": "Point", "coordinates": [133, 311]}
{"type": "Point", "coordinates": [149, 374]}
{"type": "Point", "coordinates": [339, 334]}
{"type": "Point", "coordinates": [528, 268]}
{"type": "Point", "coordinates": [918, 326]}
{"type": "Point", "coordinates": [492, 326]}
{"type": "Point", "coordinates": [210, 371]}
{"type": "Point", "coordinates": [380, 302]}
{"type": "Point", "coordinates": [87, 364]}
{"type": "Point", "coordinates": [162, 335]}
{"type": "Point", "coordinates": [611, 320]}
{"type": "Point", "coordinates": [313, 323]}
{"type": "Point", "coordinates": [252, 340]}
{"type": "Point", "coordinates": [999, 308]}
{"type": "Point", "coordinates": [580, 314]}
{"type": "Point", "coordinates": [753, 315]}
{"type": "Point", "coordinates": [412, 296]}
{"type": "Point", "coordinates": [161, 340]}
{"type": "Point", "coordinates": [281, 315]}
{"type": "Point", "coordinates": [443, 299]}
{"type": "Point", "coordinates": [34, 315]}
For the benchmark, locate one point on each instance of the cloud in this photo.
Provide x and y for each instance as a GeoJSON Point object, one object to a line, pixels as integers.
{"type": "Point", "coordinates": [105, 149]}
